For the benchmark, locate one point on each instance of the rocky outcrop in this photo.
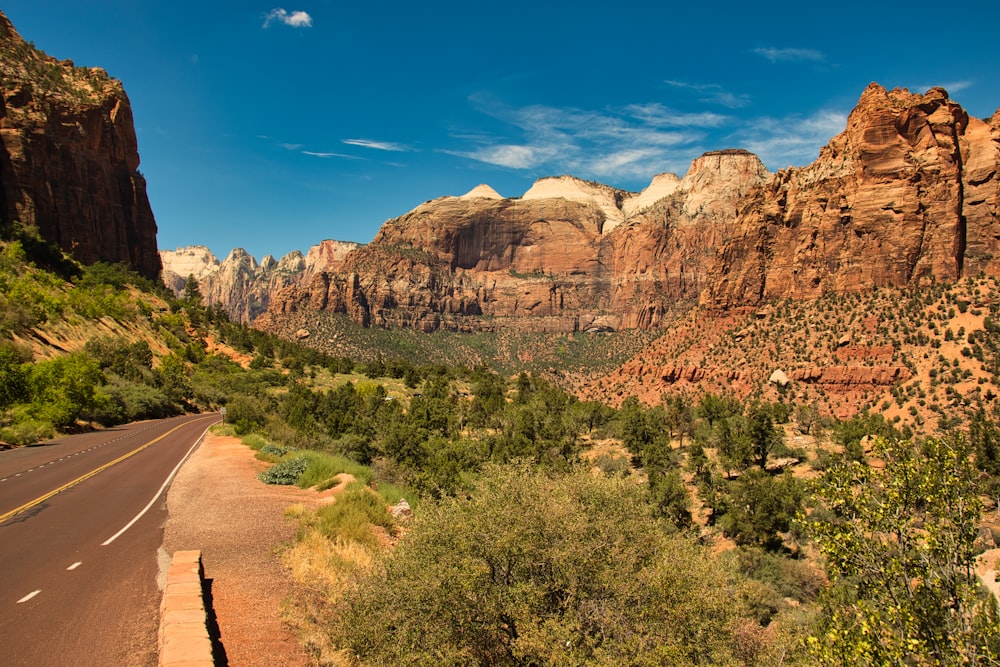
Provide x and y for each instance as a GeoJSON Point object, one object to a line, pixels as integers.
{"type": "Point", "coordinates": [564, 257]}
{"type": "Point", "coordinates": [69, 159]}
{"type": "Point", "coordinates": [908, 193]}
{"type": "Point", "coordinates": [242, 286]}
{"type": "Point", "coordinates": [852, 375]}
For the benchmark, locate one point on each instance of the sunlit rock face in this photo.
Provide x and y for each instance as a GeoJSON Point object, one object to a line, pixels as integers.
{"type": "Point", "coordinates": [907, 193]}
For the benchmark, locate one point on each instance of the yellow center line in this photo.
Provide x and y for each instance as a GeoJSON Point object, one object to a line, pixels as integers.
{"type": "Point", "coordinates": [82, 478]}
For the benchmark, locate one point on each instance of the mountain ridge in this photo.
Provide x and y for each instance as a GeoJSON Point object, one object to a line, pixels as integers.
{"type": "Point", "coordinates": [907, 193]}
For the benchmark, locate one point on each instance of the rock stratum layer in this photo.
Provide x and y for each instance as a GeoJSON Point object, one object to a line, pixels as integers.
{"type": "Point", "coordinates": [908, 193]}
{"type": "Point", "coordinates": [69, 159]}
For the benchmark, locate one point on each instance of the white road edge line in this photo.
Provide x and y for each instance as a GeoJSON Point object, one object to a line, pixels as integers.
{"type": "Point", "coordinates": [74, 565]}
{"type": "Point", "coordinates": [166, 483]}
{"type": "Point", "coordinates": [29, 596]}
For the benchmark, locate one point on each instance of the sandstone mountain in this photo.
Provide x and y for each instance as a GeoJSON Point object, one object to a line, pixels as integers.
{"type": "Point", "coordinates": [239, 284]}
{"type": "Point", "coordinates": [69, 159]}
{"type": "Point", "coordinates": [908, 194]}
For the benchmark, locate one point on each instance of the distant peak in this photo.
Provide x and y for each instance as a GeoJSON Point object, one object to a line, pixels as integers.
{"type": "Point", "coordinates": [481, 191]}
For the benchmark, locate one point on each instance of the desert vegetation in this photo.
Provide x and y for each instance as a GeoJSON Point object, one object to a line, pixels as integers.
{"type": "Point", "coordinates": [702, 527]}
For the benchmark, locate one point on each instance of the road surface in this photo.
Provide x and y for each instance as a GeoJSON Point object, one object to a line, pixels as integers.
{"type": "Point", "coordinates": [81, 520]}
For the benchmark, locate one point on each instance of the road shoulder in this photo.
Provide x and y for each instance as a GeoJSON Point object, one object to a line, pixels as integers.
{"type": "Point", "coordinates": [217, 504]}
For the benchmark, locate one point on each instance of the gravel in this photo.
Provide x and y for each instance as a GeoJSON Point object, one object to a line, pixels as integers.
{"type": "Point", "coordinates": [217, 504]}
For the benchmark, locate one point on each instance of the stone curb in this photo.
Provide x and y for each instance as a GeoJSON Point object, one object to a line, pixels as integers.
{"type": "Point", "coordinates": [183, 638]}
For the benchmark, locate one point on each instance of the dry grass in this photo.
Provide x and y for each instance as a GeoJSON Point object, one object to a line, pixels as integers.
{"type": "Point", "coordinates": [322, 569]}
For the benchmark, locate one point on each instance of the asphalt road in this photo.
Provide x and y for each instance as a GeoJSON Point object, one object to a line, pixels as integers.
{"type": "Point", "coordinates": [81, 521]}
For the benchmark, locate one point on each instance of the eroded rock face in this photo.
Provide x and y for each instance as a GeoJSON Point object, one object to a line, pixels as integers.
{"type": "Point", "coordinates": [69, 159]}
{"type": "Point", "coordinates": [908, 193]}
{"type": "Point", "coordinates": [241, 285]}
{"type": "Point", "coordinates": [197, 261]}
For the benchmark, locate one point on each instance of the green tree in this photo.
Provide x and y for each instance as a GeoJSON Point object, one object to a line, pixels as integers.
{"type": "Point", "coordinates": [192, 292]}
{"type": "Point", "coordinates": [173, 378]}
{"type": "Point", "coordinates": [732, 439]}
{"type": "Point", "coordinates": [898, 541]}
{"type": "Point", "coordinates": [713, 408]}
{"type": "Point", "coordinates": [764, 435]}
{"type": "Point", "coordinates": [65, 388]}
{"type": "Point", "coordinates": [761, 507]}
{"type": "Point", "coordinates": [633, 427]}
{"type": "Point", "coordinates": [670, 497]}
{"type": "Point", "coordinates": [540, 570]}
{"type": "Point", "coordinates": [679, 416]}
{"type": "Point", "coordinates": [13, 375]}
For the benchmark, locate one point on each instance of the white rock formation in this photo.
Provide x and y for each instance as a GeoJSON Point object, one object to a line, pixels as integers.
{"type": "Point", "coordinates": [604, 197]}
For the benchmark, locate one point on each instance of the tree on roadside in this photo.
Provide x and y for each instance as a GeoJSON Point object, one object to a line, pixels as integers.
{"type": "Point", "coordinates": [547, 570]}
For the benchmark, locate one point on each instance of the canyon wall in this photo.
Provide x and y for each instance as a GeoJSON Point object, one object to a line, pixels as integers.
{"type": "Point", "coordinates": [69, 159]}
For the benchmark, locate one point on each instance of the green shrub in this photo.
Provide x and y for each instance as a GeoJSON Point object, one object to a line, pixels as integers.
{"type": "Point", "coordinates": [284, 472]}
{"type": "Point", "coordinates": [273, 450]}
{"type": "Point", "coordinates": [138, 400]}
{"type": "Point", "coordinates": [536, 569]}
{"type": "Point", "coordinates": [26, 430]}
{"type": "Point", "coordinates": [253, 440]}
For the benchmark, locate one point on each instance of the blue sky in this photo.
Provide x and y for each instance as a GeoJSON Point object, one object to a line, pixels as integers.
{"type": "Point", "coordinates": [273, 124]}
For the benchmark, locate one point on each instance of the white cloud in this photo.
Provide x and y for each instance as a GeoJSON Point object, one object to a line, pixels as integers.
{"type": "Point", "coordinates": [789, 55]}
{"type": "Point", "coordinates": [511, 156]}
{"type": "Point", "coordinates": [627, 145]}
{"type": "Point", "coordinates": [628, 162]}
{"type": "Point", "coordinates": [378, 145]}
{"type": "Point", "coordinates": [295, 19]}
{"type": "Point", "coordinates": [291, 147]}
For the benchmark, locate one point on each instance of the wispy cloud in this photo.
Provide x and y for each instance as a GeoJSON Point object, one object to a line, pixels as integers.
{"type": "Point", "coordinates": [794, 140]}
{"type": "Point", "coordinates": [295, 19]}
{"type": "Point", "coordinates": [952, 87]}
{"type": "Point", "coordinates": [291, 147]}
{"type": "Point", "coordinates": [330, 155]}
{"type": "Point", "coordinates": [513, 157]}
{"type": "Point", "coordinates": [378, 145]}
{"type": "Point", "coordinates": [712, 93]}
{"type": "Point", "coordinates": [631, 141]}
{"type": "Point", "coordinates": [775, 55]}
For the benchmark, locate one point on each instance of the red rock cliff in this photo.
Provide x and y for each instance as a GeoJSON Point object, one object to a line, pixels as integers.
{"type": "Point", "coordinates": [908, 193]}
{"type": "Point", "coordinates": [69, 159]}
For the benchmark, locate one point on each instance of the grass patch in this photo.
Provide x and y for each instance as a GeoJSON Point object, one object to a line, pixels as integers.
{"type": "Point", "coordinates": [392, 494]}
{"type": "Point", "coordinates": [322, 468]}
{"type": "Point", "coordinates": [254, 441]}
{"type": "Point", "coordinates": [223, 430]}
{"type": "Point", "coordinates": [351, 518]}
